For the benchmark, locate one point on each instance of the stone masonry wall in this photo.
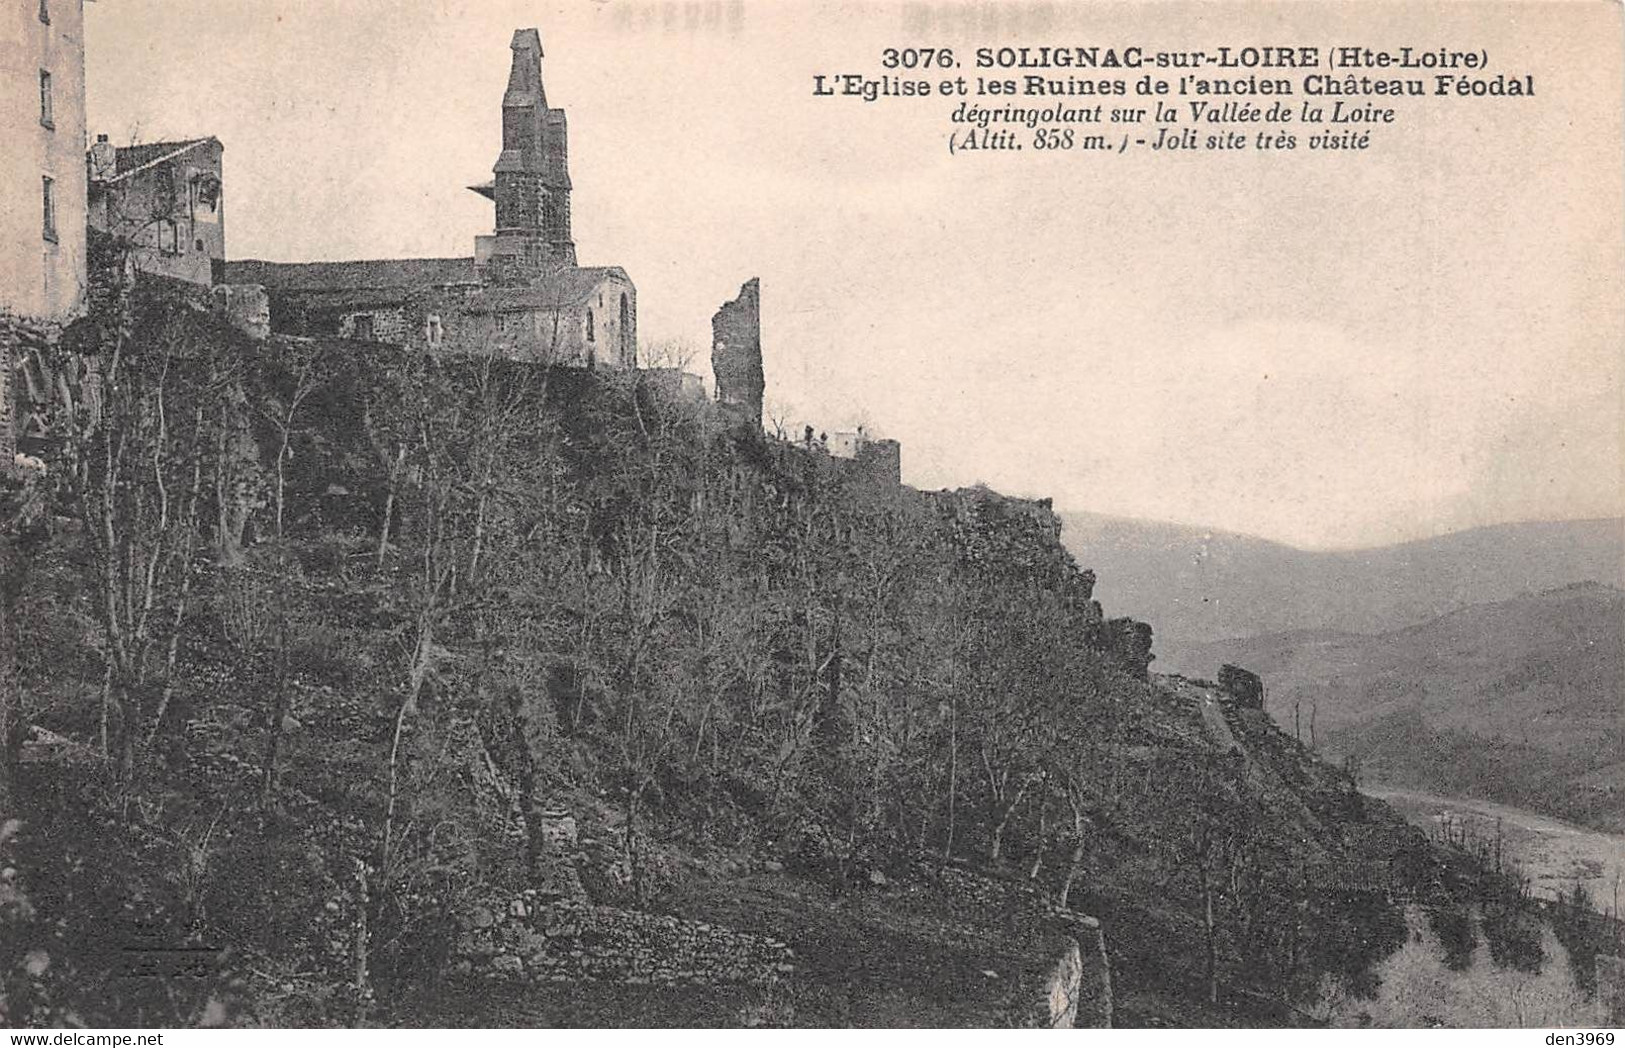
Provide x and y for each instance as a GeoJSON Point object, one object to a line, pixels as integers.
{"type": "Point", "coordinates": [1095, 1000]}
{"type": "Point", "coordinates": [522, 941]}
{"type": "Point", "coordinates": [880, 461]}
{"type": "Point", "coordinates": [736, 353]}
{"type": "Point", "coordinates": [20, 338]}
{"type": "Point", "coordinates": [8, 436]}
{"type": "Point", "coordinates": [1078, 992]}
{"type": "Point", "coordinates": [388, 325]}
{"type": "Point", "coordinates": [981, 894]}
{"type": "Point", "coordinates": [1063, 990]}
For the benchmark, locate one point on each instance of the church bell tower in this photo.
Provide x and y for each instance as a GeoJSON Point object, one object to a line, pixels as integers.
{"type": "Point", "coordinates": [531, 189]}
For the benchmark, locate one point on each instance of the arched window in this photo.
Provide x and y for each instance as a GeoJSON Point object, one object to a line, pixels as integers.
{"type": "Point", "coordinates": [592, 334]}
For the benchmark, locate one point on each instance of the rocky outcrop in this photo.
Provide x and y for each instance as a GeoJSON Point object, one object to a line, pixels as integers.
{"type": "Point", "coordinates": [1242, 685]}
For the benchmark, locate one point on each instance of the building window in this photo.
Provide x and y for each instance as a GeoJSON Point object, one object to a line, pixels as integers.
{"type": "Point", "coordinates": [48, 198]}
{"type": "Point", "coordinates": [502, 323]}
{"type": "Point", "coordinates": [433, 330]}
{"type": "Point", "coordinates": [45, 11]}
{"type": "Point", "coordinates": [45, 108]}
{"type": "Point", "coordinates": [203, 193]}
{"type": "Point", "coordinates": [363, 327]}
{"type": "Point", "coordinates": [169, 241]}
{"type": "Point", "coordinates": [592, 334]}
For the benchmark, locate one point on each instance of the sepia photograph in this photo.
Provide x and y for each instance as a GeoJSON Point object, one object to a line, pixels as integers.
{"type": "Point", "coordinates": [772, 514]}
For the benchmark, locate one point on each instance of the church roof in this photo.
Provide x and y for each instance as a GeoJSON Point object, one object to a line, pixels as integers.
{"type": "Point", "coordinates": [376, 275]}
{"type": "Point", "coordinates": [130, 159]}
{"type": "Point", "coordinates": [570, 286]}
{"type": "Point", "coordinates": [331, 285]}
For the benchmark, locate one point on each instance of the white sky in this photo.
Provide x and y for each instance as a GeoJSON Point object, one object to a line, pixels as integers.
{"type": "Point", "coordinates": [1325, 349]}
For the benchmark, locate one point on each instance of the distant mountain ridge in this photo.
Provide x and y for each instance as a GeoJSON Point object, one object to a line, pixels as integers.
{"type": "Point", "coordinates": [1197, 585]}
{"type": "Point", "coordinates": [1520, 701]}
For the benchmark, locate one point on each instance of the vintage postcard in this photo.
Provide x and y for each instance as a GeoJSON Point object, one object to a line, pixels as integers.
{"type": "Point", "coordinates": [730, 513]}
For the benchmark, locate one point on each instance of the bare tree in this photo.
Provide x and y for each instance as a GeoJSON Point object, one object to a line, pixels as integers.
{"type": "Point", "coordinates": [777, 414]}
{"type": "Point", "coordinates": [304, 368]}
{"type": "Point", "coordinates": [135, 478]}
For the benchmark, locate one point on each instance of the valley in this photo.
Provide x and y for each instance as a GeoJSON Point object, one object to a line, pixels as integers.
{"type": "Point", "coordinates": [1553, 854]}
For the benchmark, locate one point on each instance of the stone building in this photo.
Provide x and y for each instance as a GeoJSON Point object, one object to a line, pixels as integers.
{"type": "Point", "coordinates": [580, 316]}
{"type": "Point", "coordinates": [163, 203]}
{"type": "Point", "coordinates": [575, 316]}
{"type": "Point", "coordinates": [321, 298]}
{"type": "Point", "coordinates": [42, 162]}
{"type": "Point", "coordinates": [42, 181]}
{"type": "Point", "coordinates": [880, 460]}
{"type": "Point", "coordinates": [521, 294]}
{"type": "Point", "coordinates": [736, 353]}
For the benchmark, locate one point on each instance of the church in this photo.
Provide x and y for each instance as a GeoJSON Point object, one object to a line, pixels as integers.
{"type": "Point", "coordinates": [520, 294]}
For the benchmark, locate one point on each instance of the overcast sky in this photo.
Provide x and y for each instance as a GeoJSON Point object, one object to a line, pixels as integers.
{"type": "Point", "coordinates": [1324, 349]}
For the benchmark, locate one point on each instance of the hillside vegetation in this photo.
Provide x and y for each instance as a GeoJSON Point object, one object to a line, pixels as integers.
{"type": "Point", "coordinates": [314, 642]}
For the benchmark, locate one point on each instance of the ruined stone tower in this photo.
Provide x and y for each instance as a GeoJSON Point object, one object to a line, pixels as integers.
{"type": "Point", "coordinates": [531, 189]}
{"type": "Point", "coordinates": [736, 353]}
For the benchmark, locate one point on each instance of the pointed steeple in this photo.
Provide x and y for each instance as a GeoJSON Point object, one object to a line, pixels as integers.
{"type": "Point", "coordinates": [525, 78]}
{"type": "Point", "coordinates": [524, 106]}
{"type": "Point", "coordinates": [532, 184]}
